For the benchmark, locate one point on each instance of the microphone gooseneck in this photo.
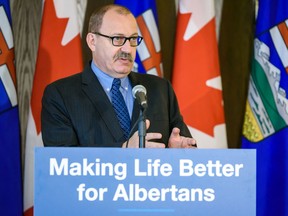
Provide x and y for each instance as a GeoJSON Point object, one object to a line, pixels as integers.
{"type": "Point", "coordinates": [139, 93]}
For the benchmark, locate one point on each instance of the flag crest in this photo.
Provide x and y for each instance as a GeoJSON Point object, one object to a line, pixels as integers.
{"type": "Point", "coordinates": [267, 105]}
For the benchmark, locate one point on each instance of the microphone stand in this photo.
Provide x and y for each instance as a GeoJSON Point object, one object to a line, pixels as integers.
{"type": "Point", "coordinates": [142, 127]}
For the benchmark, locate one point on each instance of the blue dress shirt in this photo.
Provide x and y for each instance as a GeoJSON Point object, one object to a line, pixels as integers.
{"type": "Point", "coordinates": [106, 82]}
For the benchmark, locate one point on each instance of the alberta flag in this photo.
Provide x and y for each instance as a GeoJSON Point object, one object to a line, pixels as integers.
{"type": "Point", "coordinates": [10, 158]}
{"type": "Point", "coordinates": [266, 118]}
{"type": "Point", "coordinates": [148, 58]}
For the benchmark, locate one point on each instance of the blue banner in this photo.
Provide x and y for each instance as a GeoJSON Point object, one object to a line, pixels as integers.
{"type": "Point", "coordinates": [10, 157]}
{"type": "Point", "coordinates": [115, 181]}
{"type": "Point", "coordinates": [148, 58]}
{"type": "Point", "coordinates": [266, 119]}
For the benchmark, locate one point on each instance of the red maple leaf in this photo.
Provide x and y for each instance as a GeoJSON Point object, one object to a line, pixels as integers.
{"type": "Point", "coordinates": [196, 61]}
{"type": "Point", "coordinates": [54, 60]}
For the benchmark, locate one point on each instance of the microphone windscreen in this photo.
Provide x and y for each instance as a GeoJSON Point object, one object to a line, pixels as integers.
{"type": "Point", "coordinates": [138, 88]}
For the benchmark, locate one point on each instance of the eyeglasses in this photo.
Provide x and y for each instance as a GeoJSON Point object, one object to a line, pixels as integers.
{"type": "Point", "coordinates": [120, 40]}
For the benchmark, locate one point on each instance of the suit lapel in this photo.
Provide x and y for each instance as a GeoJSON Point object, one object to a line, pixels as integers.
{"type": "Point", "coordinates": [94, 91]}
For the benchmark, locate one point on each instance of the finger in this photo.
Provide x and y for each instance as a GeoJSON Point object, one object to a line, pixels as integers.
{"type": "Point", "coordinates": [147, 124]}
{"type": "Point", "coordinates": [151, 136]}
{"type": "Point", "coordinates": [192, 143]}
{"type": "Point", "coordinates": [175, 132]}
{"type": "Point", "coordinates": [188, 142]}
{"type": "Point", "coordinates": [154, 145]}
{"type": "Point", "coordinates": [191, 147]}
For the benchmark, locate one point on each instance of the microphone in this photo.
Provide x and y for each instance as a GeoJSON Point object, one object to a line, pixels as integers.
{"type": "Point", "coordinates": [139, 93]}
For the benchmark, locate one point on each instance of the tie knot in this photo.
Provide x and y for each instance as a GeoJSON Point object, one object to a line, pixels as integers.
{"type": "Point", "coordinates": [116, 83]}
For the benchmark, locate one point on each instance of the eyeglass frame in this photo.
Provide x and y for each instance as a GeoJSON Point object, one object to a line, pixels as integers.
{"type": "Point", "coordinates": [139, 38]}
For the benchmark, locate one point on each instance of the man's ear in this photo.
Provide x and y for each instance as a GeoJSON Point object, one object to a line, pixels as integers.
{"type": "Point", "coordinates": [90, 40]}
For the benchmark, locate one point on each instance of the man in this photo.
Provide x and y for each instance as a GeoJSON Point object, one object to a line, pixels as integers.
{"type": "Point", "coordinates": [79, 110]}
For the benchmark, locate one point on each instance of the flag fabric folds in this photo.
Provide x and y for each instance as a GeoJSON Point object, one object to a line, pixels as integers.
{"type": "Point", "coordinates": [10, 147]}
{"type": "Point", "coordinates": [196, 73]}
{"type": "Point", "coordinates": [59, 55]}
{"type": "Point", "coordinates": [266, 117]}
{"type": "Point", "coordinates": [148, 57]}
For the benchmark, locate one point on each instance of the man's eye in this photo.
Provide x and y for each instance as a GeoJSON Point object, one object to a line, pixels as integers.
{"type": "Point", "coordinates": [134, 39]}
{"type": "Point", "coordinates": [118, 38]}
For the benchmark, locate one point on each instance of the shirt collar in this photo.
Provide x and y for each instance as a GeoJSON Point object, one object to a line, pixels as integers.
{"type": "Point", "coordinates": [106, 80]}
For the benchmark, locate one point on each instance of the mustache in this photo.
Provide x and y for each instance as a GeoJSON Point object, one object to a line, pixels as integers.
{"type": "Point", "coordinates": [123, 55]}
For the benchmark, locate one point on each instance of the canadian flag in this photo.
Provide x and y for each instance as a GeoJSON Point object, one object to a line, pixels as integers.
{"type": "Point", "coordinates": [59, 55]}
{"type": "Point", "coordinates": [196, 73]}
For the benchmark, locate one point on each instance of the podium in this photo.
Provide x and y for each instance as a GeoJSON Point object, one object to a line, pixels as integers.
{"type": "Point", "coordinates": [115, 181]}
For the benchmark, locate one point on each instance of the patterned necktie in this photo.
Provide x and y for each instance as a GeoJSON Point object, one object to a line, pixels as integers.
{"type": "Point", "coordinates": [120, 107]}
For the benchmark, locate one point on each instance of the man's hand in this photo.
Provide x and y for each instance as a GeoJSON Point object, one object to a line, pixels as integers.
{"type": "Point", "coordinates": [177, 141]}
{"type": "Point", "coordinates": [134, 140]}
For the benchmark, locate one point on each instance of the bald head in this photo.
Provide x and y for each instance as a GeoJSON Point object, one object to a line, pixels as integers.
{"type": "Point", "coordinates": [96, 18]}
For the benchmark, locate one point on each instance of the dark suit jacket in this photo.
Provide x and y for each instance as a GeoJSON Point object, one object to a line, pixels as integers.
{"type": "Point", "coordinates": [77, 112]}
